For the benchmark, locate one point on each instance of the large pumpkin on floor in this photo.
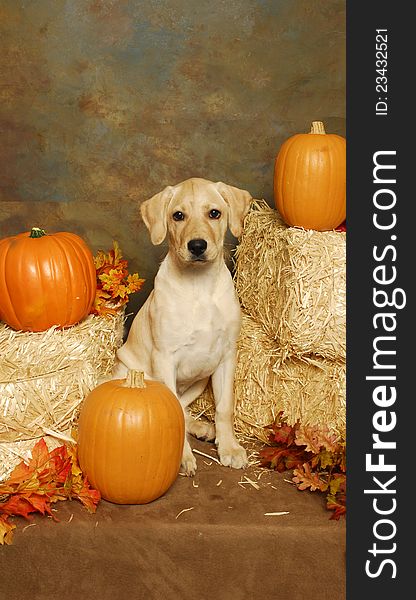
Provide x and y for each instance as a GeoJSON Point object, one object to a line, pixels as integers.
{"type": "Point", "coordinates": [45, 280]}
{"type": "Point", "coordinates": [310, 179]}
{"type": "Point", "coordinates": [130, 439]}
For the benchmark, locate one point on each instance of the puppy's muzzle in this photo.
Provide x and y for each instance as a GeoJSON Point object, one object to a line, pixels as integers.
{"type": "Point", "coordinates": [197, 248]}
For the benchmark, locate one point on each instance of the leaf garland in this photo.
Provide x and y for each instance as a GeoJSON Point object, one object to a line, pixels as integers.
{"type": "Point", "coordinates": [316, 457]}
{"type": "Point", "coordinates": [114, 283]}
{"type": "Point", "coordinates": [45, 479]}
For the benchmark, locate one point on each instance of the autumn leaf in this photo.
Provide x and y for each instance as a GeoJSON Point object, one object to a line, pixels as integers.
{"type": "Point", "coordinates": [17, 505]}
{"type": "Point", "coordinates": [40, 503]}
{"type": "Point", "coordinates": [101, 304]}
{"type": "Point", "coordinates": [87, 496]}
{"type": "Point", "coordinates": [45, 479]}
{"type": "Point", "coordinates": [323, 459]}
{"type": "Point", "coordinates": [60, 464]}
{"type": "Point", "coordinates": [307, 479]}
{"type": "Point", "coordinates": [279, 458]}
{"type": "Point", "coordinates": [338, 484]}
{"type": "Point", "coordinates": [79, 486]}
{"type": "Point", "coordinates": [113, 257]}
{"type": "Point", "coordinates": [316, 457]}
{"type": "Point", "coordinates": [6, 530]}
{"type": "Point", "coordinates": [111, 280]}
{"type": "Point", "coordinates": [40, 455]}
{"type": "Point", "coordinates": [314, 438]}
{"type": "Point", "coordinates": [336, 504]}
{"type": "Point", "coordinates": [20, 473]}
{"type": "Point", "coordinates": [75, 468]}
{"type": "Point", "coordinates": [282, 433]}
{"type": "Point", "coordinates": [134, 282]}
{"type": "Point", "coordinates": [342, 459]}
{"type": "Point", "coordinates": [283, 453]}
{"type": "Point", "coordinates": [114, 283]}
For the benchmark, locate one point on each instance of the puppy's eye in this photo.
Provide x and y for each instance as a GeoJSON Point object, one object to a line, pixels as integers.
{"type": "Point", "coordinates": [178, 216]}
{"type": "Point", "coordinates": [214, 214]}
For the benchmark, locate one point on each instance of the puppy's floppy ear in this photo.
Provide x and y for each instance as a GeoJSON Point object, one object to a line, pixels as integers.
{"type": "Point", "coordinates": [238, 203]}
{"type": "Point", "coordinates": [154, 214]}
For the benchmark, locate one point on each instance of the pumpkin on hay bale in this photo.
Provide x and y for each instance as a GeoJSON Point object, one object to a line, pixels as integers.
{"type": "Point", "coordinates": [293, 282]}
{"type": "Point", "coordinates": [310, 179]}
{"type": "Point", "coordinates": [45, 375]}
{"type": "Point", "coordinates": [45, 280]}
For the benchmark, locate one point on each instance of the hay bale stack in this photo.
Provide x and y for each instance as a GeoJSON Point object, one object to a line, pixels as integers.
{"type": "Point", "coordinates": [292, 281]}
{"type": "Point", "coordinates": [291, 350]}
{"type": "Point", "coordinates": [311, 390]}
{"type": "Point", "coordinates": [45, 376]}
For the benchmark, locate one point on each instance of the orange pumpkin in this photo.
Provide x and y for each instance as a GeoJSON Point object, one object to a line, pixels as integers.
{"type": "Point", "coordinates": [310, 179]}
{"type": "Point", "coordinates": [45, 280]}
{"type": "Point", "coordinates": [130, 439]}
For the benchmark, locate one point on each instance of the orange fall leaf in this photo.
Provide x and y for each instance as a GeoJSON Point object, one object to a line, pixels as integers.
{"type": "Point", "coordinates": [114, 283]}
{"type": "Point", "coordinates": [32, 487]}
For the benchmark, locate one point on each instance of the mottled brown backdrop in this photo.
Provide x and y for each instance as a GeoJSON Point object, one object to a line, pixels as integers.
{"type": "Point", "coordinates": [105, 102]}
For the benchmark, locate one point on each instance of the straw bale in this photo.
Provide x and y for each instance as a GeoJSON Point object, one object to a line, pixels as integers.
{"type": "Point", "coordinates": [45, 376]}
{"type": "Point", "coordinates": [311, 390]}
{"type": "Point", "coordinates": [293, 282]}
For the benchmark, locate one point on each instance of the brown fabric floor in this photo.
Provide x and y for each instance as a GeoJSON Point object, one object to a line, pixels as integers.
{"type": "Point", "coordinates": [225, 548]}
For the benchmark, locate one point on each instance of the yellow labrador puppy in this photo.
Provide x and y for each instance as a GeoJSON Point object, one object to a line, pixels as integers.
{"type": "Point", "coordinates": [186, 332]}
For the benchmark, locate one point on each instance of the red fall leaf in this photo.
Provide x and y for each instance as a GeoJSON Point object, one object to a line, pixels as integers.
{"type": "Point", "coordinates": [46, 478]}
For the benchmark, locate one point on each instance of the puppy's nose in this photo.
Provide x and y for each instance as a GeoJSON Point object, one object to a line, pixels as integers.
{"type": "Point", "coordinates": [197, 247]}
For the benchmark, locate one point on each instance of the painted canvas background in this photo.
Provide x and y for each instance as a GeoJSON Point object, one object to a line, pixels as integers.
{"type": "Point", "coordinates": [105, 102]}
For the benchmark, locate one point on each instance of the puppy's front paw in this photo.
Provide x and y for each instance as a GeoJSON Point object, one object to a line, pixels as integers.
{"type": "Point", "coordinates": [188, 463]}
{"type": "Point", "coordinates": [232, 455]}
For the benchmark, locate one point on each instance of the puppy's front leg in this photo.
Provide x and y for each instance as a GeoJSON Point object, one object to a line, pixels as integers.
{"type": "Point", "coordinates": [230, 452]}
{"type": "Point", "coordinates": [164, 371]}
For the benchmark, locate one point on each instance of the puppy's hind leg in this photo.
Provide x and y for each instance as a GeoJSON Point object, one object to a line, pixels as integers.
{"type": "Point", "coordinates": [203, 430]}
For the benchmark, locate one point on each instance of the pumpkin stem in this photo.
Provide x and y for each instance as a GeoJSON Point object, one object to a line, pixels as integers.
{"type": "Point", "coordinates": [317, 127]}
{"type": "Point", "coordinates": [135, 379]}
{"type": "Point", "coordinates": [37, 232]}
